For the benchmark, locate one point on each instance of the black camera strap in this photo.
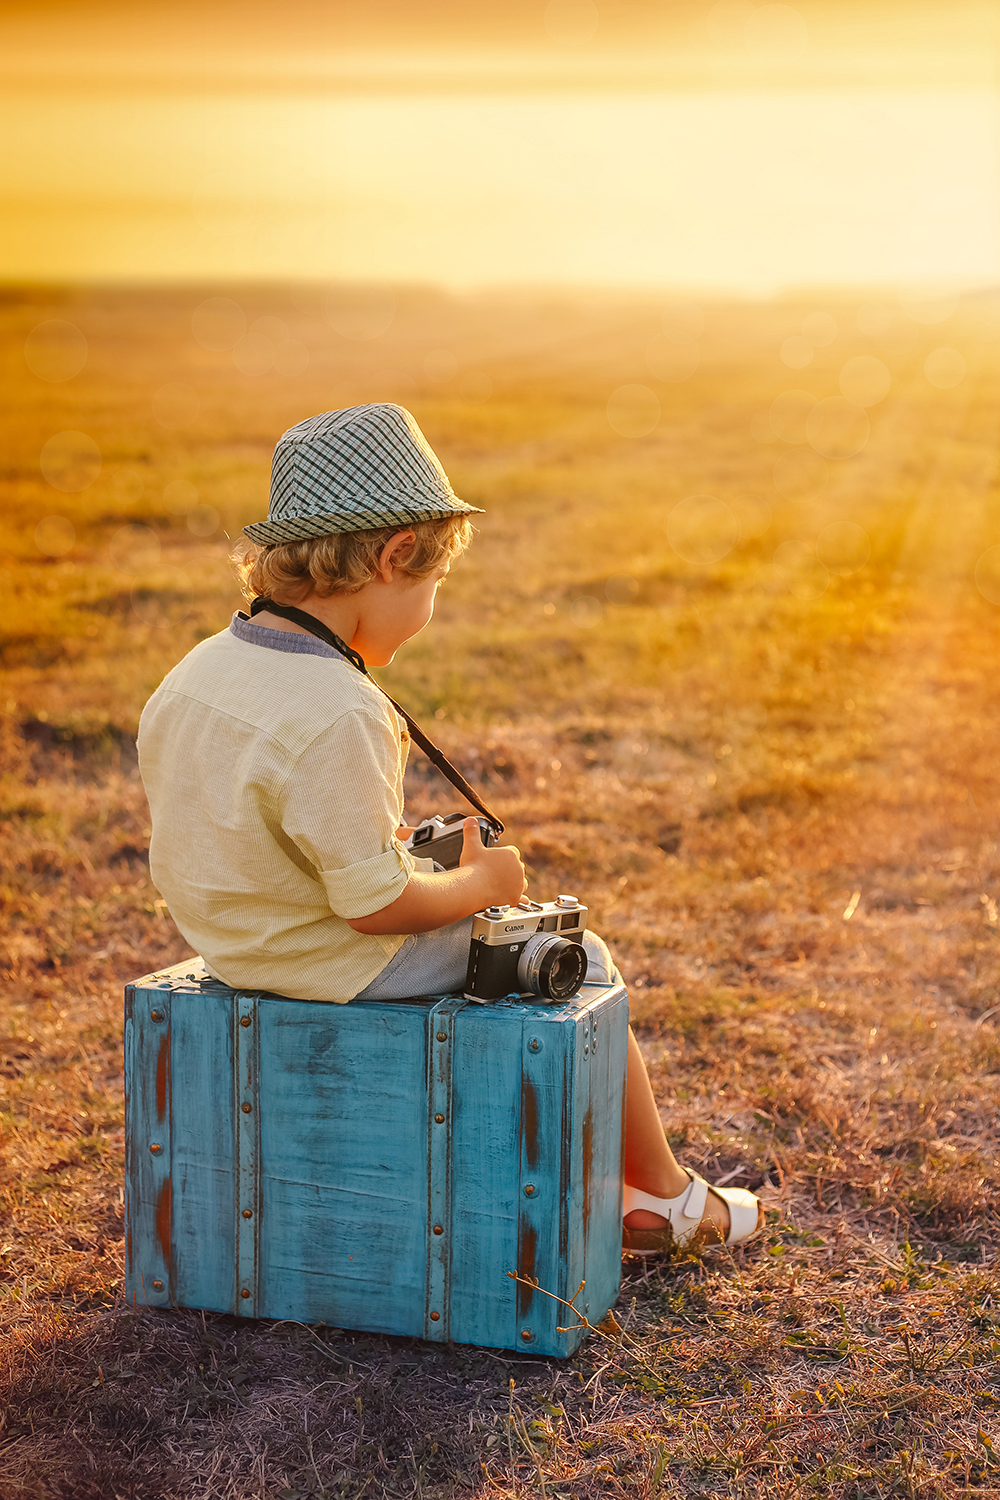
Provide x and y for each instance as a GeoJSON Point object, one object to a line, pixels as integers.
{"type": "Point", "coordinates": [434, 755]}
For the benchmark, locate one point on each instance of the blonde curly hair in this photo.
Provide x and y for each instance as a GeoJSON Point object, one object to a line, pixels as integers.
{"type": "Point", "coordinates": [343, 562]}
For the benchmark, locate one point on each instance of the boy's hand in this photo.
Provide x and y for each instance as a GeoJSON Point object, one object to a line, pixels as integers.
{"type": "Point", "coordinates": [501, 868]}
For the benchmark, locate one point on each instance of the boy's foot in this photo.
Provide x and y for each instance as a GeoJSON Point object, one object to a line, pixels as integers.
{"type": "Point", "coordinates": [699, 1215]}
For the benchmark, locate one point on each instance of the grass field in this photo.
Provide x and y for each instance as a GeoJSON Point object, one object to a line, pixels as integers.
{"type": "Point", "coordinates": [757, 737]}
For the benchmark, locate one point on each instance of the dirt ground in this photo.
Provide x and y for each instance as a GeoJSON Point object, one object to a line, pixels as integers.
{"type": "Point", "coordinates": [753, 729]}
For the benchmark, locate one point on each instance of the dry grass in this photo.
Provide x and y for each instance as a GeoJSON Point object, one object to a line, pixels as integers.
{"type": "Point", "coordinates": [781, 809]}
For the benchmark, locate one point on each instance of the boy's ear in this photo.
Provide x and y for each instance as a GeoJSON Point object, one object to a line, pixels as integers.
{"type": "Point", "coordinates": [393, 553]}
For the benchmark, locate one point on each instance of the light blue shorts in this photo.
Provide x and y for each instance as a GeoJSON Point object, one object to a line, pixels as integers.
{"type": "Point", "coordinates": [435, 963]}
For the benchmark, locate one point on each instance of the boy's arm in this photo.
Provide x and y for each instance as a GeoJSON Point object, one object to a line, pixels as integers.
{"type": "Point", "coordinates": [485, 877]}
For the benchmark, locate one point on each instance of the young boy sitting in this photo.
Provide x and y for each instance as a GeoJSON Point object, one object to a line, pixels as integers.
{"type": "Point", "coordinates": [274, 771]}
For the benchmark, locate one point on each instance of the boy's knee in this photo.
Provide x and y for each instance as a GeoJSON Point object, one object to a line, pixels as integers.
{"type": "Point", "coordinates": [601, 967]}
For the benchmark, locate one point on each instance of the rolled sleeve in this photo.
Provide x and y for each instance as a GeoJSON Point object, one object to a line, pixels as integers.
{"type": "Point", "coordinates": [341, 808]}
{"type": "Point", "coordinates": [361, 889]}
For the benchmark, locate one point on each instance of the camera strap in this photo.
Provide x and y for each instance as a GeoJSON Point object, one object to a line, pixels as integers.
{"type": "Point", "coordinates": [434, 755]}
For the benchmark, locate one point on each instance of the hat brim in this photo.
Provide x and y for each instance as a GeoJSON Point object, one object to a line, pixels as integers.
{"type": "Point", "coordinates": [301, 528]}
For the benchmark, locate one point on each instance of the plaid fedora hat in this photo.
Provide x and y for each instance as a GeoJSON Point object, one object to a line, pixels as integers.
{"type": "Point", "coordinates": [354, 470]}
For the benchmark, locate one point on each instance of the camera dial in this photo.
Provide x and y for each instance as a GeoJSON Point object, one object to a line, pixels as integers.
{"type": "Point", "coordinates": [551, 966]}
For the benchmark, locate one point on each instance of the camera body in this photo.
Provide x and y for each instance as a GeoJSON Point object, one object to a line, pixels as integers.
{"type": "Point", "coordinates": [534, 948]}
{"type": "Point", "coordinates": [440, 838]}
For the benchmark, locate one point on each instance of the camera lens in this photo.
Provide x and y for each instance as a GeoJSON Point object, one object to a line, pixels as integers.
{"type": "Point", "coordinates": [551, 966]}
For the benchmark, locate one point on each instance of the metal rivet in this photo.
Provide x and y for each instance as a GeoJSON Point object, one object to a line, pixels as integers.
{"type": "Point", "coordinates": [435, 1317]}
{"type": "Point", "coordinates": [439, 1119]}
{"type": "Point", "coordinates": [156, 1015]}
{"type": "Point", "coordinates": [442, 1036]}
{"type": "Point", "coordinates": [529, 1190]}
{"type": "Point", "coordinates": [244, 1293]}
{"type": "Point", "coordinates": [157, 1286]}
{"type": "Point", "coordinates": [248, 1213]}
{"type": "Point", "coordinates": [438, 1229]}
{"type": "Point", "coordinates": [246, 1108]}
{"type": "Point", "coordinates": [244, 1020]}
{"type": "Point", "coordinates": [535, 1045]}
{"type": "Point", "coordinates": [155, 1148]}
{"type": "Point", "coordinates": [527, 1335]}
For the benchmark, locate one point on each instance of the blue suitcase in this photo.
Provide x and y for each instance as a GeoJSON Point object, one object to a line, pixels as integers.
{"type": "Point", "coordinates": [378, 1166]}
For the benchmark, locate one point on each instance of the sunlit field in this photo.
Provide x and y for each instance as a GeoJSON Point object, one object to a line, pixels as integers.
{"type": "Point", "coordinates": [724, 655]}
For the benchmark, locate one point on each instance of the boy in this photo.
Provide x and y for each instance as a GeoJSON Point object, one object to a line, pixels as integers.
{"type": "Point", "coordinates": [274, 770]}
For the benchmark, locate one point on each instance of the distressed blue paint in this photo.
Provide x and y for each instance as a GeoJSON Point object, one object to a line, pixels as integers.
{"type": "Point", "coordinates": [346, 1171]}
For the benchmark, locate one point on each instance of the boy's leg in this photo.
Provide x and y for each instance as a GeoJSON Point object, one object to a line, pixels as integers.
{"type": "Point", "coordinates": [650, 1164]}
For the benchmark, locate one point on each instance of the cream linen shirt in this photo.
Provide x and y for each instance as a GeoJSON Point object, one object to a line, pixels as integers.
{"type": "Point", "coordinates": [275, 782]}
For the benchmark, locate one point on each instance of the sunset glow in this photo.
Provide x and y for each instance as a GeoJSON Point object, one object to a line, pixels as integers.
{"type": "Point", "coordinates": [740, 149]}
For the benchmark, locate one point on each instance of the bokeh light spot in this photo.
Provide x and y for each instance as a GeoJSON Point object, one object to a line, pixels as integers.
{"type": "Point", "coordinates": [475, 387]}
{"type": "Point", "coordinates": [929, 304]}
{"type": "Point", "coordinates": [753, 514]}
{"type": "Point", "coordinates": [820, 329]}
{"type": "Point", "coordinates": [770, 580]}
{"type": "Point", "coordinates": [683, 322]}
{"type": "Point", "coordinates": [776, 34]}
{"type": "Point", "coordinates": [799, 472]}
{"type": "Point", "coordinates": [586, 611]}
{"type": "Point", "coordinates": [180, 496]}
{"type": "Point", "coordinates": [633, 410]}
{"type": "Point", "coordinates": [70, 461]}
{"type": "Point", "coordinates": [440, 365]}
{"type": "Point", "coordinates": [55, 350]}
{"type": "Point", "coordinates": [727, 20]}
{"type": "Point", "coordinates": [162, 596]}
{"type": "Point", "coordinates": [988, 575]}
{"type": "Point", "coordinates": [864, 380]}
{"type": "Point", "coordinates": [702, 529]}
{"type": "Point", "coordinates": [944, 368]}
{"type": "Point", "coordinates": [621, 588]}
{"type": "Point", "coordinates": [837, 428]}
{"type": "Point", "coordinates": [886, 629]}
{"type": "Point", "coordinates": [843, 547]}
{"type": "Point", "coordinates": [744, 718]}
{"type": "Point", "coordinates": [175, 405]}
{"type": "Point", "coordinates": [805, 576]}
{"type": "Point", "coordinates": [796, 352]}
{"type": "Point", "coordinates": [255, 353]}
{"type": "Point", "coordinates": [54, 536]}
{"type": "Point", "coordinates": [218, 323]}
{"type": "Point", "coordinates": [134, 549]}
{"type": "Point", "coordinates": [125, 486]}
{"type": "Point", "coordinates": [203, 520]}
{"type": "Point", "coordinates": [571, 22]}
{"type": "Point", "coordinates": [360, 312]}
{"type": "Point", "coordinates": [669, 361]}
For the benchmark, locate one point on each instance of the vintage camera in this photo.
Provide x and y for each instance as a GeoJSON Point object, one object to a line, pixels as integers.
{"type": "Point", "coordinates": [534, 948]}
{"type": "Point", "coordinates": [440, 839]}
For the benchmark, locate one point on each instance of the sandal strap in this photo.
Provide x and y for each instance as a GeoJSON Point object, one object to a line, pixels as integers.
{"type": "Point", "coordinates": [687, 1205]}
{"type": "Point", "coordinates": [743, 1211]}
{"type": "Point", "coordinates": [685, 1212]}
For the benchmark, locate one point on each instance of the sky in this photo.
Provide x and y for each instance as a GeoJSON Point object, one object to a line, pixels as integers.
{"type": "Point", "coordinates": [725, 148]}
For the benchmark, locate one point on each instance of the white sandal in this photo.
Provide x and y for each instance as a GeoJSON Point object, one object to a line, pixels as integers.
{"type": "Point", "coordinates": [685, 1215]}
